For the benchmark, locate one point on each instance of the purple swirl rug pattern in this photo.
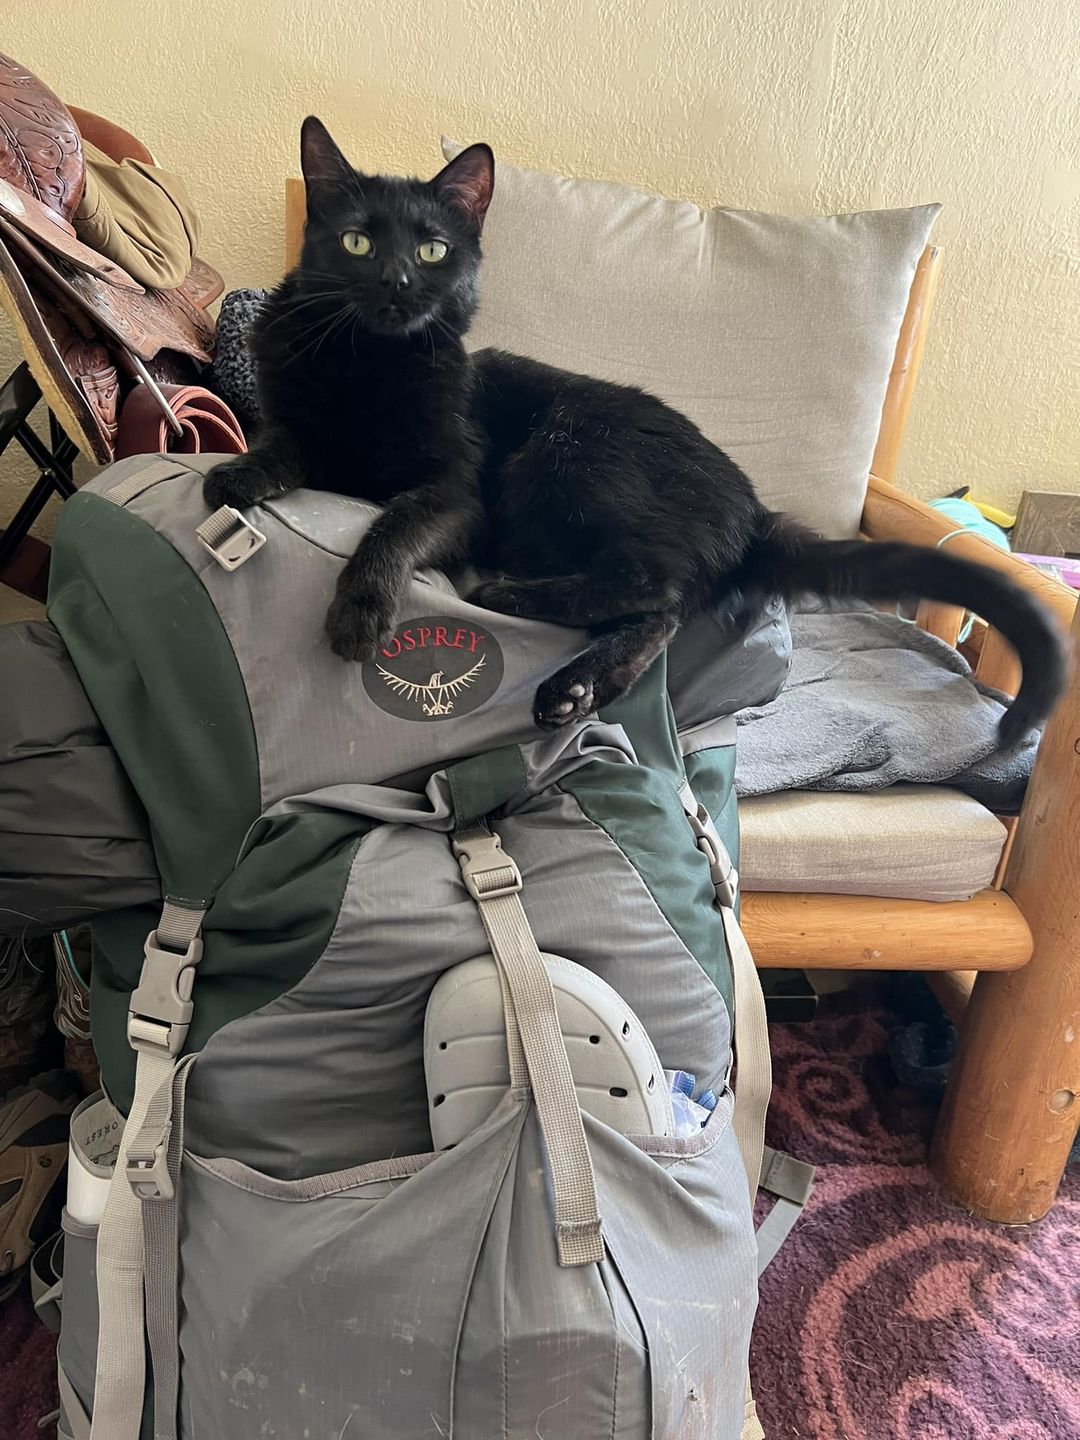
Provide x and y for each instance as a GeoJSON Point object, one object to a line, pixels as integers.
{"type": "Point", "coordinates": [890, 1315]}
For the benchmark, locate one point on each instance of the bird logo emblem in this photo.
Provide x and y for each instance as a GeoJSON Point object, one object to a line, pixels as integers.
{"type": "Point", "coordinates": [437, 697]}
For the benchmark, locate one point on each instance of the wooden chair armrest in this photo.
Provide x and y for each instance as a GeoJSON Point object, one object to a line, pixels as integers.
{"type": "Point", "coordinates": [890, 514]}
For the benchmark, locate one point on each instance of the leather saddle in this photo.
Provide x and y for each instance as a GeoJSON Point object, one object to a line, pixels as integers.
{"type": "Point", "coordinates": [89, 329]}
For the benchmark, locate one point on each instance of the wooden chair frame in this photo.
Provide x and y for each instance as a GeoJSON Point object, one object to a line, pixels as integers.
{"type": "Point", "coordinates": [1006, 963]}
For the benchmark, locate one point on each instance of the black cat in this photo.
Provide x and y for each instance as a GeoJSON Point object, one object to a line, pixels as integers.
{"type": "Point", "coordinates": [597, 505]}
{"type": "Point", "coordinates": [364, 387]}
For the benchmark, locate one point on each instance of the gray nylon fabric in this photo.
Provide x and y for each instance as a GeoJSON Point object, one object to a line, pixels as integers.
{"type": "Point", "coordinates": [756, 657]}
{"type": "Point", "coordinates": [493, 1336]}
{"type": "Point", "coordinates": [517, 1372]}
{"type": "Point", "coordinates": [77, 1349]}
{"type": "Point", "coordinates": [347, 1084]}
{"type": "Point", "coordinates": [74, 840]}
{"type": "Point", "coordinates": [305, 1274]}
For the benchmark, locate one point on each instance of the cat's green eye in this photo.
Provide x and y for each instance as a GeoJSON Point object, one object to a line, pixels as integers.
{"type": "Point", "coordinates": [432, 251]}
{"type": "Point", "coordinates": [357, 243]}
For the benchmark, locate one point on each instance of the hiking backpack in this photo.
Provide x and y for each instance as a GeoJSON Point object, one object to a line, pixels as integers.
{"type": "Point", "coordinates": [277, 1251]}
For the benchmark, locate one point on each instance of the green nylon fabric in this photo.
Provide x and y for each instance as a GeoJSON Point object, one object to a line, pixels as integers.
{"type": "Point", "coordinates": [639, 807]}
{"type": "Point", "coordinates": [642, 813]}
{"type": "Point", "coordinates": [157, 665]}
{"type": "Point", "coordinates": [483, 783]}
{"type": "Point", "coordinates": [645, 714]}
{"type": "Point", "coordinates": [711, 774]}
{"type": "Point", "coordinates": [270, 922]}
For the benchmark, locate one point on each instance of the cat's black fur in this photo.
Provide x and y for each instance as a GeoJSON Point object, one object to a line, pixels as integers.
{"type": "Point", "coordinates": [595, 504]}
{"type": "Point", "coordinates": [363, 384]}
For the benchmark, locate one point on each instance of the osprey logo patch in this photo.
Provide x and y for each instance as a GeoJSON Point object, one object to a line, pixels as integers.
{"type": "Point", "coordinates": [434, 669]}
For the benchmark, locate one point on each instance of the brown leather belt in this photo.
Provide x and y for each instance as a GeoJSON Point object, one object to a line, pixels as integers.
{"type": "Point", "coordinates": [206, 424]}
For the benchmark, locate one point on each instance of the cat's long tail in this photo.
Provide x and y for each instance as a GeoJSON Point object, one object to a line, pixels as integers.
{"type": "Point", "coordinates": [786, 560]}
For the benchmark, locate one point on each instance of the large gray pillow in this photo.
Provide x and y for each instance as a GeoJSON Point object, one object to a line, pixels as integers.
{"type": "Point", "coordinates": [775, 334]}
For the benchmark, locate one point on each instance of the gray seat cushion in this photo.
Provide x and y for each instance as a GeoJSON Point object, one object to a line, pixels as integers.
{"type": "Point", "coordinates": [917, 842]}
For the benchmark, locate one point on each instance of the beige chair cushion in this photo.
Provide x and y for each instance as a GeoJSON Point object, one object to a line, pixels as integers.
{"type": "Point", "coordinates": [917, 842]}
{"type": "Point", "coordinates": [774, 334]}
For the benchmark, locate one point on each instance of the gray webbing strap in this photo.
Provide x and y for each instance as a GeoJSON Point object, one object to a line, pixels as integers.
{"type": "Point", "coordinates": [519, 1070]}
{"type": "Point", "coordinates": [144, 478]}
{"type": "Point", "coordinates": [751, 1424]}
{"type": "Point", "coordinates": [753, 1086]}
{"type": "Point", "coordinates": [791, 1181]}
{"type": "Point", "coordinates": [494, 882]}
{"type": "Point", "coordinates": [753, 1078]}
{"type": "Point", "coordinates": [164, 1132]}
{"type": "Point", "coordinates": [179, 924]}
{"type": "Point", "coordinates": [121, 1356]}
{"type": "Point", "coordinates": [158, 1019]}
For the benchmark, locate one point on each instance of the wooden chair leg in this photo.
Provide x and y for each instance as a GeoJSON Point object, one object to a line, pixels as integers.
{"type": "Point", "coordinates": [1013, 1102]}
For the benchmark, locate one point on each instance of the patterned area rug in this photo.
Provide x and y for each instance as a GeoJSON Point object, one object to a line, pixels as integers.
{"type": "Point", "coordinates": [888, 1315]}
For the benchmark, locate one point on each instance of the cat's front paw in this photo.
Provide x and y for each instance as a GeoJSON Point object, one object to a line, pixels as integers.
{"type": "Point", "coordinates": [239, 482]}
{"type": "Point", "coordinates": [358, 626]}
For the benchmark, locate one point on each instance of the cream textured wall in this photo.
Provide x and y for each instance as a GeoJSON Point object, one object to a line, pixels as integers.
{"type": "Point", "coordinates": [797, 105]}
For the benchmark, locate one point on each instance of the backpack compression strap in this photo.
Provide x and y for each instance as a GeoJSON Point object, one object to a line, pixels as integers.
{"type": "Point", "coordinates": [158, 1019]}
{"type": "Point", "coordinates": [534, 1036]}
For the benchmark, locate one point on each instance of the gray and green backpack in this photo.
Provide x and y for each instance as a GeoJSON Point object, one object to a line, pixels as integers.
{"type": "Point", "coordinates": [281, 1255]}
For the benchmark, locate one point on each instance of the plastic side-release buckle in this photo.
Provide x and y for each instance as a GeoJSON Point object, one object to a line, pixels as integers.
{"type": "Point", "coordinates": [147, 1168]}
{"type": "Point", "coordinates": [160, 1008]}
{"type": "Point", "coordinates": [488, 872]}
{"type": "Point", "coordinates": [230, 538]}
{"type": "Point", "coordinates": [722, 872]}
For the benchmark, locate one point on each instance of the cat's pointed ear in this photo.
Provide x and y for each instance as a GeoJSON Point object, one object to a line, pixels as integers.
{"type": "Point", "coordinates": [467, 183]}
{"type": "Point", "coordinates": [325, 168]}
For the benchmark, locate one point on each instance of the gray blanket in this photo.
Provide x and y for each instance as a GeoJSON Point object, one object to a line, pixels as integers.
{"type": "Point", "coordinates": [871, 701]}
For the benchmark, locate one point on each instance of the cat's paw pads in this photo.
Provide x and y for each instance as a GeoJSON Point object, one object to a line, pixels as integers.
{"type": "Point", "coordinates": [239, 483]}
{"type": "Point", "coordinates": [357, 631]}
{"type": "Point", "coordinates": [562, 700]}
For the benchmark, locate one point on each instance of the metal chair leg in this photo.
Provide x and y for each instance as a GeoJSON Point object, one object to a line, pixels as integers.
{"type": "Point", "coordinates": [18, 397]}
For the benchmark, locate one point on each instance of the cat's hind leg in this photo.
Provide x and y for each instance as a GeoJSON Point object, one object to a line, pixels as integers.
{"type": "Point", "coordinates": [612, 592]}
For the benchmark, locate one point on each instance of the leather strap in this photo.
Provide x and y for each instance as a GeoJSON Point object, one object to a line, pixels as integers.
{"type": "Point", "coordinates": [207, 424]}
